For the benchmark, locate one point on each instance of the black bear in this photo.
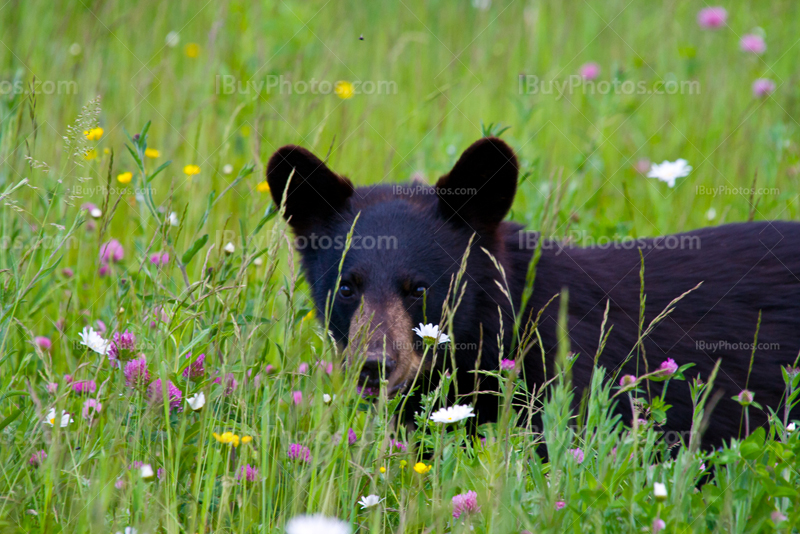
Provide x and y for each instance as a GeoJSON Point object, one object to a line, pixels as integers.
{"type": "Point", "coordinates": [409, 241]}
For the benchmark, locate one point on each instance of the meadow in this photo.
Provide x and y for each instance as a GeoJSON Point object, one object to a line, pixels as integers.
{"type": "Point", "coordinates": [133, 143]}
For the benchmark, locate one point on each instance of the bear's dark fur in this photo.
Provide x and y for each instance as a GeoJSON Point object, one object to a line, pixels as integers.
{"type": "Point", "coordinates": [744, 268]}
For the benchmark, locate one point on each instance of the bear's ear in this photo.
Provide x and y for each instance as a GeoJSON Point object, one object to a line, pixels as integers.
{"type": "Point", "coordinates": [480, 188]}
{"type": "Point", "coordinates": [315, 192]}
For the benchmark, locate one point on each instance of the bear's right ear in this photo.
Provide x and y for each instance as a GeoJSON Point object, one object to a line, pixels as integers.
{"type": "Point", "coordinates": [315, 193]}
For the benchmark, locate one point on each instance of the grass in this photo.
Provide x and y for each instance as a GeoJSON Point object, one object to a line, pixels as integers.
{"type": "Point", "coordinates": [455, 70]}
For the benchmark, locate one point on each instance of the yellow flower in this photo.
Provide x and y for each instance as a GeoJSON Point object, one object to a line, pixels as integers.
{"type": "Point", "coordinates": [125, 177]}
{"type": "Point", "coordinates": [94, 134]}
{"type": "Point", "coordinates": [192, 50]}
{"type": "Point", "coordinates": [421, 468]}
{"type": "Point", "coordinates": [403, 464]}
{"type": "Point", "coordinates": [382, 469]}
{"type": "Point", "coordinates": [262, 187]}
{"type": "Point", "coordinates": [308, 316]}
{"type": "Point", "coordinates": [151, 152]}
{"type": "Point", "coordinates": [228, 438]}
{"type": "Point", "coordinates": [246, 439]}
{"type": "Point", "coordinates": [191, 170]}
{"type": "Point", "coordinates": [344, 89]}
{"type": "Point", "coordinates": [90, 155]}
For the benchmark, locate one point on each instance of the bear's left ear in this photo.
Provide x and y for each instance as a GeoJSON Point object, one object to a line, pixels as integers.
{"type": "Point", "coordinates": [480, 188]}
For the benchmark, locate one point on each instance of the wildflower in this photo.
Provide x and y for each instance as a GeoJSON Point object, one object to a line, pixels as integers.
{"type": "Point", "coordinates": [577, 454]}
{"type": "Point", "coordinates": [369, 501]}
{"type": "Point", "coordinates": [196, 401]}
{"type": "Point", "coordinates": [430, 334]}
{"type": "Point", "coordinates": [37, 458]}
{"type": "Point", "coordinates": [627, 381]}
{"type": "Point", "coordinates": [297, 397]}
{"type": "Point", "coordinates": [262, 187]}
{"type": "Point", "coordinates": [173, 219]}
{"type": "Point", "coordinates": [229, 248]}
{"type": "Point", "coordinates": [352, 438]}
{"type": "Point", "coordinates": [94, 134]}
{"type": "Point", "coordinates": [159, 258]}
{"type": "Point", "coordinates": [327, 399]}
{"type": "Point", "coordinates": [711, 214]}
{"type": "Point", "coordinates": [776, 516]}
{"type": "Point", "coordinates": [102, 272]}
{"type": "Point", "coordinates": [589, 71]}
{"type": "Point", "coordinates": [344, 89]}
{"type": "Point", "coordinates": [668, 367]}
{"type": "Point", "coordinates": [123, 346]}
{"type": "Point", "coordinates": [120, 483]}
{"type": "Point", "coordinates": [151, 153]}
{"type": "Point", "coordinates": [453, 414]}
{"type": "Point", "coordinates": [669, 171]}
{"type": "Point", "coordinates": [43, 343]}
{"type": "Point", "coordinates": [382, 469]}
{"type": "Point", "coordinates": [136, 373]}
{"type": "Point", "coordinates": [68, 379]}
{"type": "Point", "coordinates": [228, 438]}
{"type": "Point", "coordinates": [125, 177]}
{"type": "Point", "coordinates": [403, 464]}
{"type": "Point", "coordinates": [172, 39]}
{"type": "Point", "coordinates": [112, 251]}
{"type": "Point", "coordinates": [52, 387]}
{"type": "Point", "coordinates": [308, 316]}
{"type": "Point", "coordinates": [94, 341]}
{"type": "Point", "coordinates": [560, 505]}
{"type": "Point", "coordinates": [192, 50]}
{"type": "Point", "coordinates": [326, 366]}
{"type": "Point", "coordinates": [90, 155]}
{"type": "Point", "coordinates": [712, 18]}
{"type": "Point", "coordinates": [299, 452]}
{"type": "Point", "coordinates": [745, 397]}
{"type": "Point", "coordinates": [314, 524]}
{"type": "Point", "coordinates": [191, 170]}
{"type": "Point", "coordinates": [753, 43]}
{"type": "Point", "coordinates": [66, 272]}
{"type": "Point", "coordinates": [160, 473]}
{"type": "Point", "coordinates": [146, 472]}
{"type": "Point", "coordinates": [173, 394]}
{"type": "Point", "coordinates": [248, 473]}
{"type": "Point", "coordinates": [399, 445]}
{"type": "Point", "coordinates": [763, 87]}
{"type": "Point", "coordinates": [83, 387]}
{"type": "Point", "coordinates": [227, 168]}
{"type": "Point", "coordinates": [51, 418]}
{"type": "Point", "coordinates": [658, 525]}
{"type": "Point", "coordinates": [91, 408]}
{"type": "Point", "coordinates": [465, 503]}
{"type": "Point", "coordinates": [101, 327]}
{"type": "Point", "coordinates": [196, 369]}
{"type": "Point", "coordinates": [660, 491]}
{"type": "Point", "coordinates": [791, 427]}
{"type": "Point", "coordinates": [421, 468]}
{"type": "Point", "coordinates": [302, 368]}
{"type": "Point", "coordinates": [506, 365]}
{"type": "Point", "coordinates": [246, 439]}
{"type": "Point", "coordinates": [230, 383]}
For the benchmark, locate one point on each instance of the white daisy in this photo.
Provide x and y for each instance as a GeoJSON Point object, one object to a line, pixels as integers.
{"type": "Point", "coordinates": [660, 491]}
{"type": "Point", "coordinates": [314, 524]}
{"type": "Point", "coordinates": [791, 427]}
{"type": "Point", "coordinates": [173, 219]}
{"type": "Point", "coordinates": [369, 501]}
{"type": "Point", "coordinates": [196, 401]}
{"type": "Point", "coordinates": [96, 213]}
{"type": "Point", "coordinates": [669, 171]}
{"type": "Point", "coordinates": [430, 334]}
{"type": "Point", "coordinates": [327, 399]}
{"type": "Point", "coordinates": [453, 414]}
{"type": "Point", "coordinates": [229, 248]}
{"type": "Point", "coordinates": [227, 168]}
{"type": "Point", "coordinates": [65, 418]}
{"type": "Point", "coordinates": [94, 341]}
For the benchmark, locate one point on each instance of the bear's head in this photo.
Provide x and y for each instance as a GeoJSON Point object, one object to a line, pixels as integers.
{"type": "Point", "coordinates": [407, 245]}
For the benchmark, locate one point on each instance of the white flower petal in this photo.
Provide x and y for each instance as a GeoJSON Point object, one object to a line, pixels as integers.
{"type": "Point", "coordinates": [453, 414]}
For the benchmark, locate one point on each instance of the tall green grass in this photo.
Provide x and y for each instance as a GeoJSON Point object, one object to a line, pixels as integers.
{"type": "Point", "coordinates": [456, 70]}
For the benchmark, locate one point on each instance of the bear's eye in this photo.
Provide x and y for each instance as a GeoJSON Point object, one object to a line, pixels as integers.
{"type": "Point", "coordinates": [345, 291]}
{"type": "Point", "coordinates": [419, 292]}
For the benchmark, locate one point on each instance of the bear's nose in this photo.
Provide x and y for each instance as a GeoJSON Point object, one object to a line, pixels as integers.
{"type": "Point", "coordinates": [372, 369]}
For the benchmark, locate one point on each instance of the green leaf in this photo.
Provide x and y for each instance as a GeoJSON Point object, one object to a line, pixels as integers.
{"type": "Point", "coordinates": [198, 244]}
{"type": "Point", "coordinates": [158, 170]}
